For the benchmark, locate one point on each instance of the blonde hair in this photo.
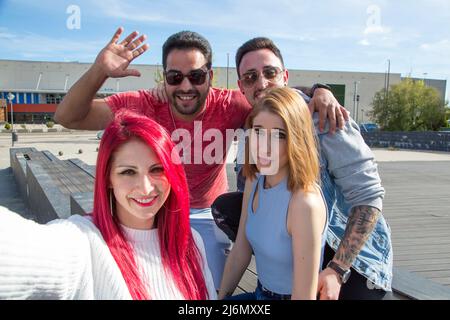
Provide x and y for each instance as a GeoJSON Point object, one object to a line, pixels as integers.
{"type": "Point", "coordinates": [303, 159]}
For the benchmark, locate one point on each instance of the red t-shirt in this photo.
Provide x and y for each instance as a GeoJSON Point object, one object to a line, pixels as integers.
{"type": "Point", "coordinates": [225, 109]}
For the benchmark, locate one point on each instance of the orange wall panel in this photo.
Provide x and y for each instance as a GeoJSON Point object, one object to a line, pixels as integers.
{"type": "Point", "coordinates": [32, 108]}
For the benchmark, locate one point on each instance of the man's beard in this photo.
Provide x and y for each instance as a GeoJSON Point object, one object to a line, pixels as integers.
{"type": "Point", "coordinates": [191, 110]}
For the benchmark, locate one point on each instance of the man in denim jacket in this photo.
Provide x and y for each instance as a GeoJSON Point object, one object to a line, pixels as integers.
{"type": "Point", "coordinates": [358, 256]}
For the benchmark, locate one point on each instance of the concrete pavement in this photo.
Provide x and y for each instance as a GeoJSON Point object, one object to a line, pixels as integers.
{"type": "Point", "coordinates": [71, 142]}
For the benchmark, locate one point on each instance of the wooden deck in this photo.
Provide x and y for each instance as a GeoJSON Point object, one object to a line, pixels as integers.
{"type": "Point", "coordinates": [46, 182]}
{"type": "Point", "coordinates": [417, 208]}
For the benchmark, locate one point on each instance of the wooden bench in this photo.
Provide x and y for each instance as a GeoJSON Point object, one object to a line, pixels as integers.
{"type": "Point", "coordinates": [49, 182]}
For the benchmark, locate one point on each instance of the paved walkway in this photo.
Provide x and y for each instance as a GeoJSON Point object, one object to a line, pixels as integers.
{"type": "Point", "coordinates": [68, 143]}
{"type": "Point", "coordinates": [384, 155]}
{"type": "Point", "coordinates": [417, 208]}
{"type": "Point", "coordinates": [9, 195]}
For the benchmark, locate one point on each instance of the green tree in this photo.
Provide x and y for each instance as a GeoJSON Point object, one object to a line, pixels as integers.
{"type": "Point", "coordinates": [158, 75]}
{"type": "Point", "coordinates": [215, 81]}
{"type": "Point", "coordinates": [447, 114]}
{"type": "Point", "coordinates": [409, 106]}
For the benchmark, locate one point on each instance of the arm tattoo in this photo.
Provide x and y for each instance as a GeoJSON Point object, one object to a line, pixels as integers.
{"type": "Point", "coordinates": [360, 225]}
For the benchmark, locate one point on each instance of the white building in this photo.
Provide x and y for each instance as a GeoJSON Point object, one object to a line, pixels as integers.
{"type": "Point", "coordinates": [39, 86]}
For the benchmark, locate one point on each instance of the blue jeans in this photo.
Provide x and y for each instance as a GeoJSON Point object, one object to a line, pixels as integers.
{"type": "Point", "coordinates": [257, 295]}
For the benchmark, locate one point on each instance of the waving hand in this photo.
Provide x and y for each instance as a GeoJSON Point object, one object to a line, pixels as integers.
{"type": "Point", "coordinates": [115, 58]}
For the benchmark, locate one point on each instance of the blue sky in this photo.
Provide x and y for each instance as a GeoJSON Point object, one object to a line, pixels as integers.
{"type": "Point", "coordinates": [344, 35]}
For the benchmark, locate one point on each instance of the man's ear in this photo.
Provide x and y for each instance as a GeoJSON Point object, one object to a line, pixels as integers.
{"type": "Point", "coordinates": [240, 86]}
{"type": "Point", "coordinates": [211, 75]}
{"type": "Point", "coordinates": [286, 77]}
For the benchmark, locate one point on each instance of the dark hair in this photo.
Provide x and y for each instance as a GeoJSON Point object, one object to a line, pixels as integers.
{"type": "Point", "coordinates": [256, 44]}
{"type": "Point", "coordinates": [187, 40]}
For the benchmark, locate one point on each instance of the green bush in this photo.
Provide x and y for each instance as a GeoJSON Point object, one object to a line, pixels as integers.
{"type": "Point", "coordinates": [7, 126]}
{"type": "Point", "coordinates": [50, 124]}
{"type": "Point", "coordinates": [23, 126]}
{"type": "Point", "coordinates": [409, 106]}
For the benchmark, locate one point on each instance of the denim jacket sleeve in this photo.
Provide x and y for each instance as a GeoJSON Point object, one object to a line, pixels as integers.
{"type": "Point", "coordinates": [351, 164]}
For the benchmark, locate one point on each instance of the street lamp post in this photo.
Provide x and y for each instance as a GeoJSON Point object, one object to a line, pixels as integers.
{"type": "Point", "coordinates": [13, 136]}
{"type": "Point", "coordinates": [6, 112]}
{"type": "Point", "coordinates": [355, 101]}
{"type": "Point", "coordinates": [228, 65]}
{"type": "Point", "coordinates": [357, 108]}
{"type": "Point", "coordinates": [387, 84]}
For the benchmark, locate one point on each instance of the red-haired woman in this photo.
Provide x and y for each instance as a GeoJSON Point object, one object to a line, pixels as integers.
{"type": "Point", "coordinates": [137, 244]}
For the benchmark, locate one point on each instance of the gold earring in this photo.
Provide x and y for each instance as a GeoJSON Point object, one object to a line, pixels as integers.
{"type": "Point", "coordinates": [110, 203]}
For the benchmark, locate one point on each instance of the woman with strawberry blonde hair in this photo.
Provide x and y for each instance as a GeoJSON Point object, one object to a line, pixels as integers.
{"type": "Point", "coordinates": [283, 218]}
{"type": "Point", "coordinates": [137, 244]}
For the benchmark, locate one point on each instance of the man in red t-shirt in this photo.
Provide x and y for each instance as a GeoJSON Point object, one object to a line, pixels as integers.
{"type": "Point", "coordinates": [223, 110]}
{"type": "Point", "coordinates": [196, 115]}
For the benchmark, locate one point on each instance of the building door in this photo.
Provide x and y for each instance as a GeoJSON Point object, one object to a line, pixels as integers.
{"type": "Point", "coordinates": [339, 92]}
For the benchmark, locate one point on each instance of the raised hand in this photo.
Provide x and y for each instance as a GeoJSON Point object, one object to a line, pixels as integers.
{"type": "Point", "coordinates": [115, 58]}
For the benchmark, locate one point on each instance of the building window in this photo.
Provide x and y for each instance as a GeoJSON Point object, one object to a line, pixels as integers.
{"type": "Point", "coordinates": [21, 97]}
{"type": "Point", "coordinates": [53, 98]}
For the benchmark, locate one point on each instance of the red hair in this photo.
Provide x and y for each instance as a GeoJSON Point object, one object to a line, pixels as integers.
{"type": "Point", "coordinates": [180, 256]}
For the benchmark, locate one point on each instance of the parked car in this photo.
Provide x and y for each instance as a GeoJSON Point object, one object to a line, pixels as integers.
{"type": "Point", "coordinates": [369, 127]}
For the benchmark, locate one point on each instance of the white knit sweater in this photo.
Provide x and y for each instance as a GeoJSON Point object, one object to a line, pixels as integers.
{"type": "Point", "coordinates": [68, 259]}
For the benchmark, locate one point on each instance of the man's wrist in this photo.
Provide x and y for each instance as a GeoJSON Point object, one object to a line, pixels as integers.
{"type": "Point", "coordinates": [342, 272]}
{"type": "Point", "coordinates": [334, 273]}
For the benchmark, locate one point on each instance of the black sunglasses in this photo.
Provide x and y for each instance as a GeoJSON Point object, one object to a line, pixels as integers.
{"type": "Point", "coordinates": [196, 77]}
{"type": "Point", "coordinates": [248, 79]}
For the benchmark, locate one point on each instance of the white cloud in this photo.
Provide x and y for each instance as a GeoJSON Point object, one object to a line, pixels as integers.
{"type": "Point", "coordinates": [5, 34]}
{"type": "Point", "coordinates": [288, 20]}
{"type": "Point", "coordinates": [376, 30]}
{"type": "Point", "coordinates": [292, 37]}
{"type": "Point", "coordinates": [36, 46]}
{"type": "Point", "coordinates": [364, 42]}
{"type": "Point", "coordinates": [169, 13]}
{"type": "Point", "coordinates": [442, 46]}
{"type": "Point", "coordinates": [120, 10]}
